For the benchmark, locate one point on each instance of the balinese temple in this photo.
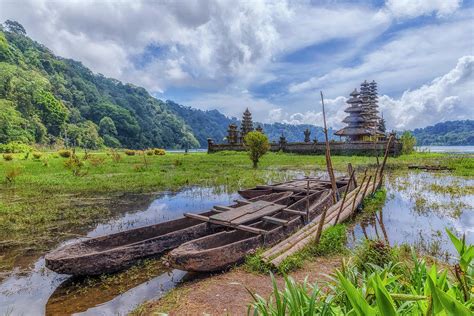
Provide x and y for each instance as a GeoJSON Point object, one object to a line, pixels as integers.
{"type": "Point", "coordinates": [247, 124]}
{"type": "Point", "coordinates": [363, 122]}
{"type": "Point", "coordinates": [232, 134]}
{"type": "Point", "coordinates": [356, 129]}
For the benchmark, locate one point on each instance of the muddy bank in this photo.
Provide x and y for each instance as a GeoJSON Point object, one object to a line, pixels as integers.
{"type": "Point", "coordinates": [227, 293]}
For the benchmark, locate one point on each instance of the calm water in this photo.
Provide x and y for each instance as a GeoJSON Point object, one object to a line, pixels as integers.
{"type": "Point", "coordinates": [446, 149]}
{"type": "Point", "coordinates": [417, 211]}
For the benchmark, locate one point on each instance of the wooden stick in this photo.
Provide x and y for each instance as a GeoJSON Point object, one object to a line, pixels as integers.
{"type": "Point", "coordinates": [345, 196]}
{"type": "Point", "coordinates": [307, 202]}
{"type": "Point", "coordinates": [375, 179]}
{"type": "Point", "coordinates": [360, 187]}
{"type": "Point", "coordinates": [309, 229]}
{"type": "Point", "coordinates": [384, 161]}
{"type": "Point", "coordinates": [328, 154]}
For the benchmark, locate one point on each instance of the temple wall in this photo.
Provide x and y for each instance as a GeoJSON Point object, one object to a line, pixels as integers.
{"type": "Point", "coordinates": [337, 148]}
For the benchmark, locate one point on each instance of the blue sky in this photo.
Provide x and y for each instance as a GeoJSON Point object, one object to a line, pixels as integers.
{"type": "Point", "coordinates": [273, 56]}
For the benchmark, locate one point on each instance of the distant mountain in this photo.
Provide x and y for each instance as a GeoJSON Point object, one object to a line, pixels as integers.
{"type": "Point", "coordinates": [450, 133]}
{"type": "Point", "coordinates": [213, 124]}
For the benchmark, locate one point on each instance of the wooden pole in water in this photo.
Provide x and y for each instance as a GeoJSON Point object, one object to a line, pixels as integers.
{"type": "Point", "coordinates": [384, 160]}
{"type": "Point", "coordinates": [344, 198]}
{"type": "Point", "coordinates": [328, 154]}
{"type": "Point", "coordinates": [307, 201]}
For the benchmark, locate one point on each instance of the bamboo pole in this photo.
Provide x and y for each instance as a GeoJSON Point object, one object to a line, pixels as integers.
{"type": "Point", "coordinates": [309, 230]}
{"type": "Point", "coordinates": [384, 161]}
{"type": "Point", "coordinates": [328, 154]}
{"type": "Point", "coordinates": [360, 187]}
{"type": "Point", "coordinates": [345, 195]}
{"type": "Point", "coordinates": [300, 244]}
{"type": "Point", "coordinates": [307, 202]}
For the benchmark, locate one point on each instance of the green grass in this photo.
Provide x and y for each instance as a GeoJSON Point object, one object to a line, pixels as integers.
{"type": "Point", "coordinates": [374, 202]}
{"type": "Point", "coordinates": [44, 200]}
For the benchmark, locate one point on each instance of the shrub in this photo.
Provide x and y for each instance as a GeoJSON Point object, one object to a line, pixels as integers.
{"type": "Point", "coordinates": [130, 152]}
{"type": "Point", "coordinates": [150, 152]}
{"type": "Point", "coordinates": [11, 175]}
{"type": "Point", "coordinates": [75, 165]}
{"type": "Point", "coordinates": [37, 155]}
{"type": "Point", "coordinates": [177, 162]}
{"type": "Point", "coordinates": [375, 252]}
{"type": "Point", "coordinates": [15, 147]}
{"type": "Point", "coordinates": [257, 145]}
{"type": "Point", "coordinates": [65, 153]}
{"type": "Point", "coordinates": [96, 160]}
{"type": "Point", "coordinates": [139, 167]}
{"type": "Point", "coordinates": [115, 155]}
{"type": "Point", "coordinates": [408, 142]}
{"type": "Point", "coordinates": [8, 157]}
{"type": "Point", "coordinates": [159, 151]}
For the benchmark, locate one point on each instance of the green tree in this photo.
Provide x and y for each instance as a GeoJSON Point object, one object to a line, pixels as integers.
{"type": "Point", "coordinates": [107, 127]}
{"type": "Point", "coordinates": [52, 112]}
{"type": "Point", "coordinates": [408, 142]}
{"type": "Point", "coordinates": [13, 127]}
{"type": "Point", "coordinates": [257, 145]}
{"type": "Point", "coordinates": [15, 27]}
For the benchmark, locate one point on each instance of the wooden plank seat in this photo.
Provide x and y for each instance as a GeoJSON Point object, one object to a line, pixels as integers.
{"type": "Point", "coordinates": [249, 212]}
{"type": "Point", "coordinates": [246, 228]}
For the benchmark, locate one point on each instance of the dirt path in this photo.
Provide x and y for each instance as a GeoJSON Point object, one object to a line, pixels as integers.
{"type": "Point", "coordinates": [226, 294]}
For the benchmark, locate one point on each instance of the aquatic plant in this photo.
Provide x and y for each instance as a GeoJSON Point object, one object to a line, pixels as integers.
{"type": "Point", "coordinates": [387, 288]}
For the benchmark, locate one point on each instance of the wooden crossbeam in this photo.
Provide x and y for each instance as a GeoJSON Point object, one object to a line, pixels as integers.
{"type": "Point", "coordinates": [274, 220]}
{"type": "Point", "coordinates": [246, 228]}
{"type": "Point", "coordinates": [294, 212]}
{"type": "Point", "coordinates": [242, 201]}
{"type": "Point", "coordinates": [222, 208]}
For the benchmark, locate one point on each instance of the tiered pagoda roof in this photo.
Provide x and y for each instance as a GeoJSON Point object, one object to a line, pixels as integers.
{"type": "Point", "coordinates": [363, 119]}
{"type": "Point", "coordinates": [247, 123]}
{"type": "Point", "coordinates": [356, 121]}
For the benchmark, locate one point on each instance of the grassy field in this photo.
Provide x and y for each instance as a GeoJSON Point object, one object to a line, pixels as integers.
{"type": "Point", "coordinates": [50, 198]}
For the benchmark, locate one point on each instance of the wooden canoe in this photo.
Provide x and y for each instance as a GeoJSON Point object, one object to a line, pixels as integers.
{"type": "Point", "coordinates": [111, 253]}
{"type": "Point", "coordinates": [226, 248]}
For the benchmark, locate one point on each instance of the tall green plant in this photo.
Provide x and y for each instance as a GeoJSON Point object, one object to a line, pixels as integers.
{"type": "Point", "coordinates": [257, 145]}
{"type": "Point", "coordinates": [408, 142]}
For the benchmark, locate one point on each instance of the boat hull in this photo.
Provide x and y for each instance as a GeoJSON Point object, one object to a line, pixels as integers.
{"type": "Point", "coordinates": [91, 261]}
{"type": "Point", "coordinates": [224, 249]}
{"type": "Point", "coordinates": [111, 253]}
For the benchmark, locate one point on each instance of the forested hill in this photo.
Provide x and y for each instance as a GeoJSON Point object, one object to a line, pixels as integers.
{"type": "Point", "coordinates": [46, 99]}
{"type": "Point", "coordinates": [450, 133]}
{"type": "Point", "coordinates": [213, 124]}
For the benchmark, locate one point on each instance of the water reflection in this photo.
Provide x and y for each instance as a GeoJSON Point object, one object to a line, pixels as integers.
{"type": "Point", "coordinates": [419, 206]}
{"type": "Point", "coordinates": [404, 219]}
{"type": "Point", "coordinates": [28, 293]}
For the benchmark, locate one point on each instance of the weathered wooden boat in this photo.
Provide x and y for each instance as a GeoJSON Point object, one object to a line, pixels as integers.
{"type": "Point", "coordinates": [250, 229]}
{"type": "Point", "coordinates": [299, 185]}
{"type": "Point", "coordinates": [110, 253]}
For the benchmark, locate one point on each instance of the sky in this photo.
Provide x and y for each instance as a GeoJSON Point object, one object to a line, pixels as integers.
{"type": "Point", "coordinates": [273, 57]}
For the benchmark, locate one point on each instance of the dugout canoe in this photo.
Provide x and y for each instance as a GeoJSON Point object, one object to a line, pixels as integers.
{"type": "Point", "coordinates": [114, 252]}
{"type": "Point", "coordinates": [226, 248]}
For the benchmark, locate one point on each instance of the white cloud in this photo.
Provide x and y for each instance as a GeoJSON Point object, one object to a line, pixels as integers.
{"type": "Point", "coordinates": [410, 58]}
{"type": "Point", "coordinates": [227, 48]}
{"type": "Point", "coordinates": [414, 8]}
{"type": "Point", "coordinates": [449, 97]}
